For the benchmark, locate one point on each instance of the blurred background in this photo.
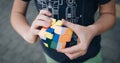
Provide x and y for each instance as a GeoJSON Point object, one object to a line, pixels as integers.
{"type": "Point", "coordinates": [13, 49]}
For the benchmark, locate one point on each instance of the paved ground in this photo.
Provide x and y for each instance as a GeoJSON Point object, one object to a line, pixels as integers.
{"type": "Point", "coordinates": [13, 49]}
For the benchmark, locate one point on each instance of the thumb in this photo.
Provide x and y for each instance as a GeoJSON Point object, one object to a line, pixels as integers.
{"type": "Point", "coordinates": [68, 24]}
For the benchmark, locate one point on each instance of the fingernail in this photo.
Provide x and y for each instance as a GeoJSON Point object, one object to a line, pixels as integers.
{"type": "Point", "coordinates": [50, 14]}
{"type": "Point", "coordinates": [50, 20]}
{"type": "Point", "coordinates": [58, 50]}
{"type": "Point", "coordinates": [48, 24]}
{"type": "Point", "coordinates": [63, 21]}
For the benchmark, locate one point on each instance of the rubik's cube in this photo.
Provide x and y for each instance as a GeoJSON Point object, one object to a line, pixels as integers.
{"type": "Point", "coordinates": [56, 36]}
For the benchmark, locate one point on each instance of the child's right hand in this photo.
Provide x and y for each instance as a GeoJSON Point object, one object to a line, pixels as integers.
{"type": "Point", "coordinates": [42, 20]}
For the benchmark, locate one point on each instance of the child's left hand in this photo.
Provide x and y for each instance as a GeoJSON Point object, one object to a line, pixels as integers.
{"type": "Point", "coordinates": [85, 35]}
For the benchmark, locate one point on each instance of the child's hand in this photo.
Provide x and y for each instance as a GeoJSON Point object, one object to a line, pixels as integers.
{"type": "Point", "coordinates": [42, 20]}
{"type": "Point", "coordinates": [85, 35]}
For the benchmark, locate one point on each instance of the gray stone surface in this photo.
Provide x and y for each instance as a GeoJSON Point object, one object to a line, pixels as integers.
{"type": "Point", "coordinates": [13, 49]}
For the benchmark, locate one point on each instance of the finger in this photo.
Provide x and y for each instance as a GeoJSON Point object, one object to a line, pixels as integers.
{"type": "Point", "coordinates": [74, 55]}
{"type": "Point", "coordinates": [70, 49]}
{"type": "Point", "coordinates": [39, 23]}
{"type": "Point", "coordinates": [69, 24]}
{"type": "Point", "coordinates": [69, 56]}
{"type": "Point", "coordinates": [45, 12]}
{"type": "Point", "coordinates": [44, 18]}
{"type": "Point", "coordinates": [78, 54]}
{"type": "Point", "coordinates": [35, 31]}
